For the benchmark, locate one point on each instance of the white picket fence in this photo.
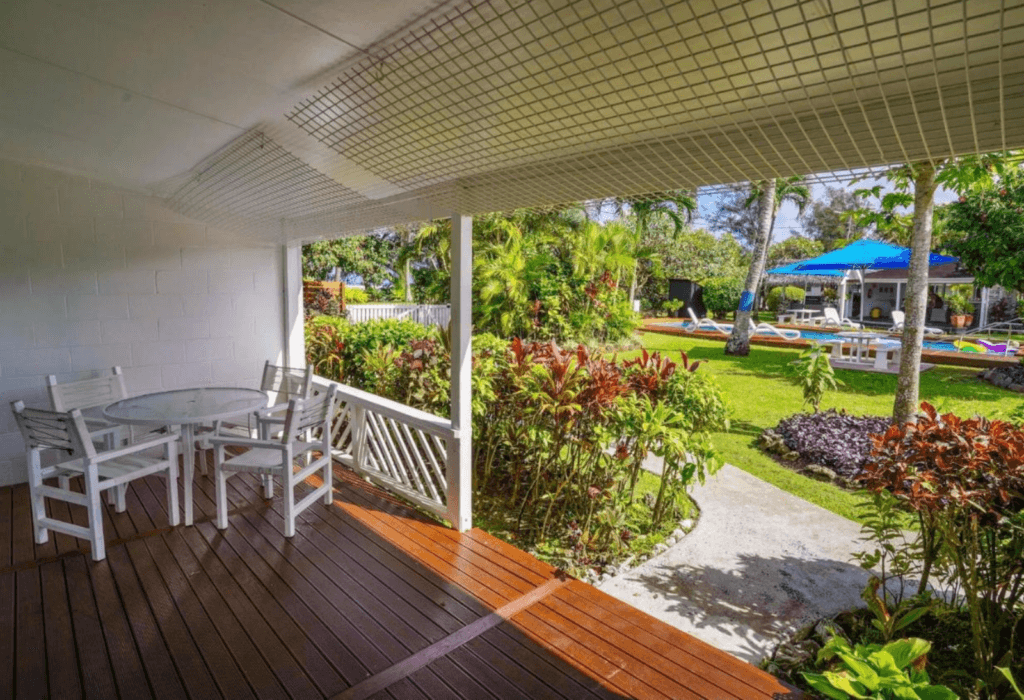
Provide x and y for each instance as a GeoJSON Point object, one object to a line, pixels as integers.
{"type": "Point", "coordinates": [425, 314]}
{"type": "Point", "coordinates": [398, 447]}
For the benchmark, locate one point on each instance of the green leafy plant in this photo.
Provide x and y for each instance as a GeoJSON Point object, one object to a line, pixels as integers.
{"type": "Point", "coordinates": [1013, 683]}
{"type": "Point", "coordinates": [959, 300]}
{"type": "Point", "coordinates": [355, 295]}
{"type": "Point", "coordinates": [672, 305]}
{"type": "Point", "coordinates": [893, 552]}
{"type": "Point", "coordinates": [894, 671]}
{"type": "Point", "coordinates": [780, 297]}
{"type": "Point", "coordinates": [815, 375]}
{"type": "Point", "coordinates": [889, 622]}
{"type": "Point", "coordinates": [722, 295]}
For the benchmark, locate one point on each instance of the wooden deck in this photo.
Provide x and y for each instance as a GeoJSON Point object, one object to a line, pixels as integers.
{"type": "Point", "coordinates": [369, 599]}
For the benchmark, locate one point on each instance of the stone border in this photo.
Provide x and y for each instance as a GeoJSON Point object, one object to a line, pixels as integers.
{"type": "Point", "coordinates": [998, 379]}
{"type": "Point", "coordinates": [686, 526]}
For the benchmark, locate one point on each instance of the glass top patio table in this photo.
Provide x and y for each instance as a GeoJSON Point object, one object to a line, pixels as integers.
{"type": "Point", "coordinates": [187, 408]}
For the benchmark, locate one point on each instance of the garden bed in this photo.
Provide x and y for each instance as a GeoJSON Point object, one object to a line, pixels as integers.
{"type": "Point", "coordinates": [829, 445]}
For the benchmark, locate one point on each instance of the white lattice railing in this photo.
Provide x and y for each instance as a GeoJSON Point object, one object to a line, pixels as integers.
{"type": "Point", "coordinates": [425, 314]}
{"type": "Point", "coordinates": [399, 448]}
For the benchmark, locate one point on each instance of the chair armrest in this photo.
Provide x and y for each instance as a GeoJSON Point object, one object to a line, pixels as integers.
{"type": "Point", "coordinates": [270, 410]}
{"type": "Point", "coordinates": [247, 442]}
{"type": "Point", "coordinates": [137, 447]}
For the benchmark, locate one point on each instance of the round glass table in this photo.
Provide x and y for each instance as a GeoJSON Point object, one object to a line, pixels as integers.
{"type": "Point", "coordinates": [186, 408]}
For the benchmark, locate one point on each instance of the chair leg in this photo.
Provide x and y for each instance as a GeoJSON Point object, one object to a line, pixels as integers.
{"type": "Point", "coordinates": [268, 486]}
{"type": "Point", "coordinates": [120, 504]}
{"type": "Point", "coordinates": [95, 509]}
{"type": "Point", "coordinates": [38, 504]}
{"type": "Point", "coordinates": [289, 502]}
{"type": "Point", "coordinates": [221, 482]}
{"type": "Point", "coordinates": [173, 516]}
{"type": "Point", "coordinates": [329, 483]}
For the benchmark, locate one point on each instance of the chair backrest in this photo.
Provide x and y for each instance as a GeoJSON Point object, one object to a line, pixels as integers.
{"type": "Point", "coordinates": [283, 384]}
{"type": "Point", "coordinates": [693, 316]}
{"type": "Point", "coordinates": [98, 391]}
{"type": "Point", "coordinates": [898, 318]}
{"type": "Point", "coordinates": [832, 315]}
{"type": "Point", "coordinates": [53, 430]}
{"type": "Point", "coordinates": [314, 412]}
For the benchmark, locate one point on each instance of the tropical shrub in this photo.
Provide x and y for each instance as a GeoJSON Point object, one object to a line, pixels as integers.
{"type": "Point", "coordinates": [890, 672]}
{"type": "Point", "coordinates": [839, 441]}
{"type": "Point", "coordinates": [354, 295]}
{"type": "Point", "coordinates": [335, 348]}
{"type": "Point", "coordinates": [964, 479]}
{"type": "Point", "coordinates": [779, 298]}
{"type": "Point", "coordinates": [722, 295]}
{"type": "Point", "coordinates": [815, 375]}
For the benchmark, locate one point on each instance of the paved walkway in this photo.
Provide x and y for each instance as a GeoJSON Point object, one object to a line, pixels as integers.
{"type": "Point", "coordinates": [760, 564]}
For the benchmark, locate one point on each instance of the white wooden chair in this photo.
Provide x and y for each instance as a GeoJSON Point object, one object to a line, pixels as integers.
{"type": "Point", "coordinates": [276, 457]}
{"type": "Point", "coordinates": [93, 393]}
{"type": "Point", "coordinates": [68, 433]}
{"type": "Point", "coordinates": [282, 384]}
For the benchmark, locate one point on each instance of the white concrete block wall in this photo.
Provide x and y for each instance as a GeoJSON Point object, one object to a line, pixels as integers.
{"type": "Point", "coordinates": [92, 276]}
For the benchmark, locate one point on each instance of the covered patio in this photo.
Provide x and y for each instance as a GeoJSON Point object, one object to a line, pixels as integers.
{"type": "Point", "coordinates": [161, 165]}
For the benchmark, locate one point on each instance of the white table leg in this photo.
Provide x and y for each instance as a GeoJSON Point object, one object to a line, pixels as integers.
{"type": "Point", "coordinates": [188, 448]}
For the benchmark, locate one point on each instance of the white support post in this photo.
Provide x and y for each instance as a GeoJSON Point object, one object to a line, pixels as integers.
{"type": "Point", "coordinates": [460, 448]}
{"type": "Point", "coordinates": [983, 311]}
{"type": "Point", "coordinates": [294, 354]}
{"type": "Point", "coordinates": [899, 296]}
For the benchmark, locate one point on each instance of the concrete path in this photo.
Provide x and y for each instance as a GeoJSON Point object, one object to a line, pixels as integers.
{"type": "Point", "coordinates": [760, 564]}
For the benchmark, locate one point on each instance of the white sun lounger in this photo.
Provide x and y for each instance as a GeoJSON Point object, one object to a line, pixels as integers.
{"type": "Point", "coordinates": [768, 329]}
{"type": "Point", "coordinates": [899, 318]}
{"type": "Point", "coordinates": [830, 319]}
{"type": "Point", "coordinates": [707, 324]}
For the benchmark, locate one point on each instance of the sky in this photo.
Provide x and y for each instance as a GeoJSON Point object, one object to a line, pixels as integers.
{"type": "Point", "coordinates": [788, 223]}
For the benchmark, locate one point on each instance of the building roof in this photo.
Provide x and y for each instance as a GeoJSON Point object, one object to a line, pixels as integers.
{"type": "Point", "coordinates": [297, 119]}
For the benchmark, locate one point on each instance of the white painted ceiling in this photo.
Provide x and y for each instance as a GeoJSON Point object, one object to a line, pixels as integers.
{"type": "Point", "coordinates": [135, 92]}
{"type": "Point", "coordinates": [320, 118]}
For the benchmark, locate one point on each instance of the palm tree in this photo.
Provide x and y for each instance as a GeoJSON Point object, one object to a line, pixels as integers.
{"type": "Point", "coordinates": [769, 196]}
{"type": "Point", "coordinates": [678, 206]}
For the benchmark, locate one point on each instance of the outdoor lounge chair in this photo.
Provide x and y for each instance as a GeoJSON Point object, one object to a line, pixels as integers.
{"type": "Point", "coordinates": [707, 324]}
{"type": "Point", "coordinates": [898, 319]}
{"type": "Point", "coordinates": [766, 328]}
{"type": "Point", "coordinates": [830, 319]}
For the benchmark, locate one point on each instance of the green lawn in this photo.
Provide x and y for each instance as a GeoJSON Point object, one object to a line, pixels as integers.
{"type": "Point", "coordinates": [761, 390]}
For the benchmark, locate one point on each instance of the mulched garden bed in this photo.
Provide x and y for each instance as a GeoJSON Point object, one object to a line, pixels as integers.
{"type": "Point", "coordinates": [829, 446]}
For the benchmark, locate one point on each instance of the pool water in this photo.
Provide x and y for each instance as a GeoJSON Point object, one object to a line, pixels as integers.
{"type": "Point", "coordinates": [826, 336]}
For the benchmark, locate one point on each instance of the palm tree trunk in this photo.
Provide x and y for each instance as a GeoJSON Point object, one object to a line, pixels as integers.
{"type": "Point", "coordinates": [739, 341]}
{"type": "Point", "coordinates": [908, 384]}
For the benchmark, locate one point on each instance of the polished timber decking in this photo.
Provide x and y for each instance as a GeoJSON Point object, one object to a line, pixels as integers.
{"type": "Point", "coordinates": [369, 599]}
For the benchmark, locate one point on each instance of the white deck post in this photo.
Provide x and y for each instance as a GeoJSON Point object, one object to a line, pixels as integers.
{"type": "Point", "coordinates": [460, 448]}
{"type": "Point", "coordinates": [291, 287]}
{"type": "Point", "coordinates": [983, 311]}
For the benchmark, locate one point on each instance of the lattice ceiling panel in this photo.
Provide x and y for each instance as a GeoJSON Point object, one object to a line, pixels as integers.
{"type": "Point", "coordinates": [486, 106]}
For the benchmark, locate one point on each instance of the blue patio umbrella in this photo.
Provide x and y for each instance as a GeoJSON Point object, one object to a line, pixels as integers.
{"type": "Point", "coordinates": [866, 255]}
{"type": "Point", "coordinates": [791, 269]}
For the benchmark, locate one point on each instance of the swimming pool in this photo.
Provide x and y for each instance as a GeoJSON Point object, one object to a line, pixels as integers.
{"type": "Point", "coordinates": [827, 336]}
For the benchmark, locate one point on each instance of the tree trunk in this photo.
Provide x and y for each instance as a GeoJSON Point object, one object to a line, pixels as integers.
{"type": "Point", "coordinates": [407, 271]}
{"type": "Point", "coordinates": [907, 386]}
{"type": "Point", "coordinates": [739, 341]}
